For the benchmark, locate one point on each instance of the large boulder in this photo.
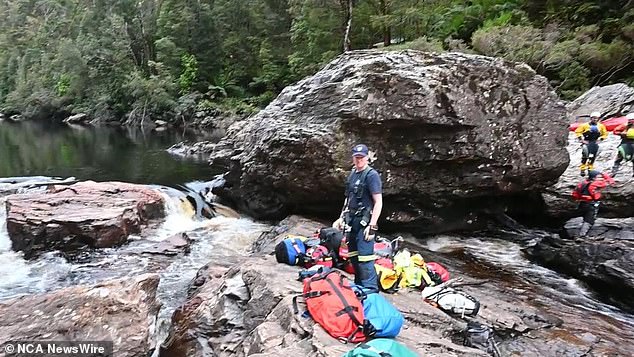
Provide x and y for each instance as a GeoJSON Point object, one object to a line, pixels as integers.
{"type": "Point", "coordinates": [451, 134]}
{"type": "Point", "coordinates": [613, 100]}
{"type": "Point", "coordinates": [83, 214]}
{"type": "Point", "coordinates": [122, 311]}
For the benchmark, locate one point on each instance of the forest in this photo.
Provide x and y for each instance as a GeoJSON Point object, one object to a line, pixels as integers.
{"type": "Point", "coordinates": [131, 60]}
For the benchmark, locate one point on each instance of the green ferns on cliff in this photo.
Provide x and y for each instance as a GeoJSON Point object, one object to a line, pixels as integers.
{"type": "Point", "coordinates": [132, 60]}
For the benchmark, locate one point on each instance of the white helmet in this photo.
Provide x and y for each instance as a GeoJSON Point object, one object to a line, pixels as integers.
{"type": "Point", "coordinates": [595, 115]}
{"type": "Point", "coordinates": [630, 117]}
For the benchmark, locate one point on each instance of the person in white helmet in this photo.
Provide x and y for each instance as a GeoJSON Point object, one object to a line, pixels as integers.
{"type": "Point", "coordinates": [626, 149]}
{"type": "Point", "coordinates": [588, 134]}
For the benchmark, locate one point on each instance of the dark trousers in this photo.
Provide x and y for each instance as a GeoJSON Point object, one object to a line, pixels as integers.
{"type": "Point", "coordinates": [589, 152]}
{"type": "Point", "coordinates": [589, 211]}
{"type": "Point", "coordinates": [361, 254]}
{"type": "Point", "coordinates": [625, 152]}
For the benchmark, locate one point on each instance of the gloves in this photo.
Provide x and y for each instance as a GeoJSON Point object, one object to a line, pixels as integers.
{"type": "Point", "coordinates": [338, 224]}
{"type": "Point", "coordinates": [369, 234]}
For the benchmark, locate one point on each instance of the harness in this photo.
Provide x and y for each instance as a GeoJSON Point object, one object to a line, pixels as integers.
{"type": "Point", "coordinates": [593, 133]}
{"type": "Point", "coordinates": [358, 188]}
{"type": "Point", "coordinates": [582, 188]}
{"type": "Point", "coordinates": [582, 192]}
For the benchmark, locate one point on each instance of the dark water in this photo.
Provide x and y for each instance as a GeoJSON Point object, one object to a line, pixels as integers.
{"type": "Point", "coordinates": [97, 153]}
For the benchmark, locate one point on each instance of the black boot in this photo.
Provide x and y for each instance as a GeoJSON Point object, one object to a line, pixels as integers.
{"type": "Point", "coordinates": [583, 231]}
{"type": "Point", "coordinates": [367, 276]}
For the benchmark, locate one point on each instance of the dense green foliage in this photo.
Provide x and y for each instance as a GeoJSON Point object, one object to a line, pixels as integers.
{"type": "Point", "coordinates": [132, 60]}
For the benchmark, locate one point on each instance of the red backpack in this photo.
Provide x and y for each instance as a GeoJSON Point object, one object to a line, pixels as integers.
{"type": "Point", "coordinates": [581, 192]}
{"type": "Point", "coordinates": [438, 269]}
{"type": "Point", "coordinates": [333, 304]}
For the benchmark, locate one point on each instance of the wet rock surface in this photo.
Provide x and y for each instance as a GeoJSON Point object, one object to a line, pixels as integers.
{"type": "Point", "coordinates": [83, 214]}
{"type": "Point", "coordinates": [198, 149]}
{"type": "Point", "coordinates": [122, 311]}
{"type": "Point", "coordinates": [447, 132]}
{"type": "Point", "coordinates": [173, 245]}
{"type": "Point", "coordinates": [247, 310]}
{"type": "Point", "coordinates": [604, 259]}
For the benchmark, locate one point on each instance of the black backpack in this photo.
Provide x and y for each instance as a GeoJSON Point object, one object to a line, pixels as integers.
{"type": "Point", "coordinates": [331, 238]}
{"type": "Point", "coordinates": [480, 336]}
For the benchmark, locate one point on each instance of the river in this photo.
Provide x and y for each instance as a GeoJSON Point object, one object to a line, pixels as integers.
{"type": "Point", "coordinates": [499, 258]}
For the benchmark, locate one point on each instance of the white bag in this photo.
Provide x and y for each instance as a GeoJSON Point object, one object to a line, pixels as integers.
{"type": "Point", "coordinates": [451, 300]}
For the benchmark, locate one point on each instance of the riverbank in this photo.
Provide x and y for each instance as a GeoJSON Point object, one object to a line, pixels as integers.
{"type": "Point", "coordinates": [534, 311]}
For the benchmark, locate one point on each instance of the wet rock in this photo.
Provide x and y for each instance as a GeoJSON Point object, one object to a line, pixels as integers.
{"type": "Point", "coordinates": [123, 311]}
{"type": "Point", "coordinates": [604, 259]}
{"type": "Point", "coordinates": [83, 214]}
{"type": "Point", "coordinates": [81, 118]}
{"type": "Point", "coordinates": [451, 134]}
{"type": "Point", "coordinates": [11, 185]}
{"type": "Point", "coordinates": [205, 274]}
{"type": "Point", "coordinates": [248, 311]}
{"type": "Point", "coordinates": [604, 228]}
{"type": "Point", "coordinates": [173, 245]}
{"type": "Point", "coordinates": [195, 150]}
{"type": "Point", "coordinates": [613, 100]}
{"type": "Point", "coordinates": [616, 200]}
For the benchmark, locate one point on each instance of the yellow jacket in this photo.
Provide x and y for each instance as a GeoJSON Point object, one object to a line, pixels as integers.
{"type": "Point", "coordinates": [584, 131]}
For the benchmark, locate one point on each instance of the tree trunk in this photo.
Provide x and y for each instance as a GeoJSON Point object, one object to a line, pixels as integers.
{"type": "Point", "coordinates": [346, 37]}
{"type": "Point", "coordinates": [387, 31]}
{"type": "Point", "coordinates": [144, 108]}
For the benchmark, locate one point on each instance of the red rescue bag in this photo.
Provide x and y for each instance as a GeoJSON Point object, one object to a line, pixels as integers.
{"type": "Point", "coordinates": [333, 304]}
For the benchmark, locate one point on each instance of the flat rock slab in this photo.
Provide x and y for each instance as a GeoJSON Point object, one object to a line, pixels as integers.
{"type": "Point", "coordinates": [122, 311]}
{"type": "Point", "coordinates": [88, 213]}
